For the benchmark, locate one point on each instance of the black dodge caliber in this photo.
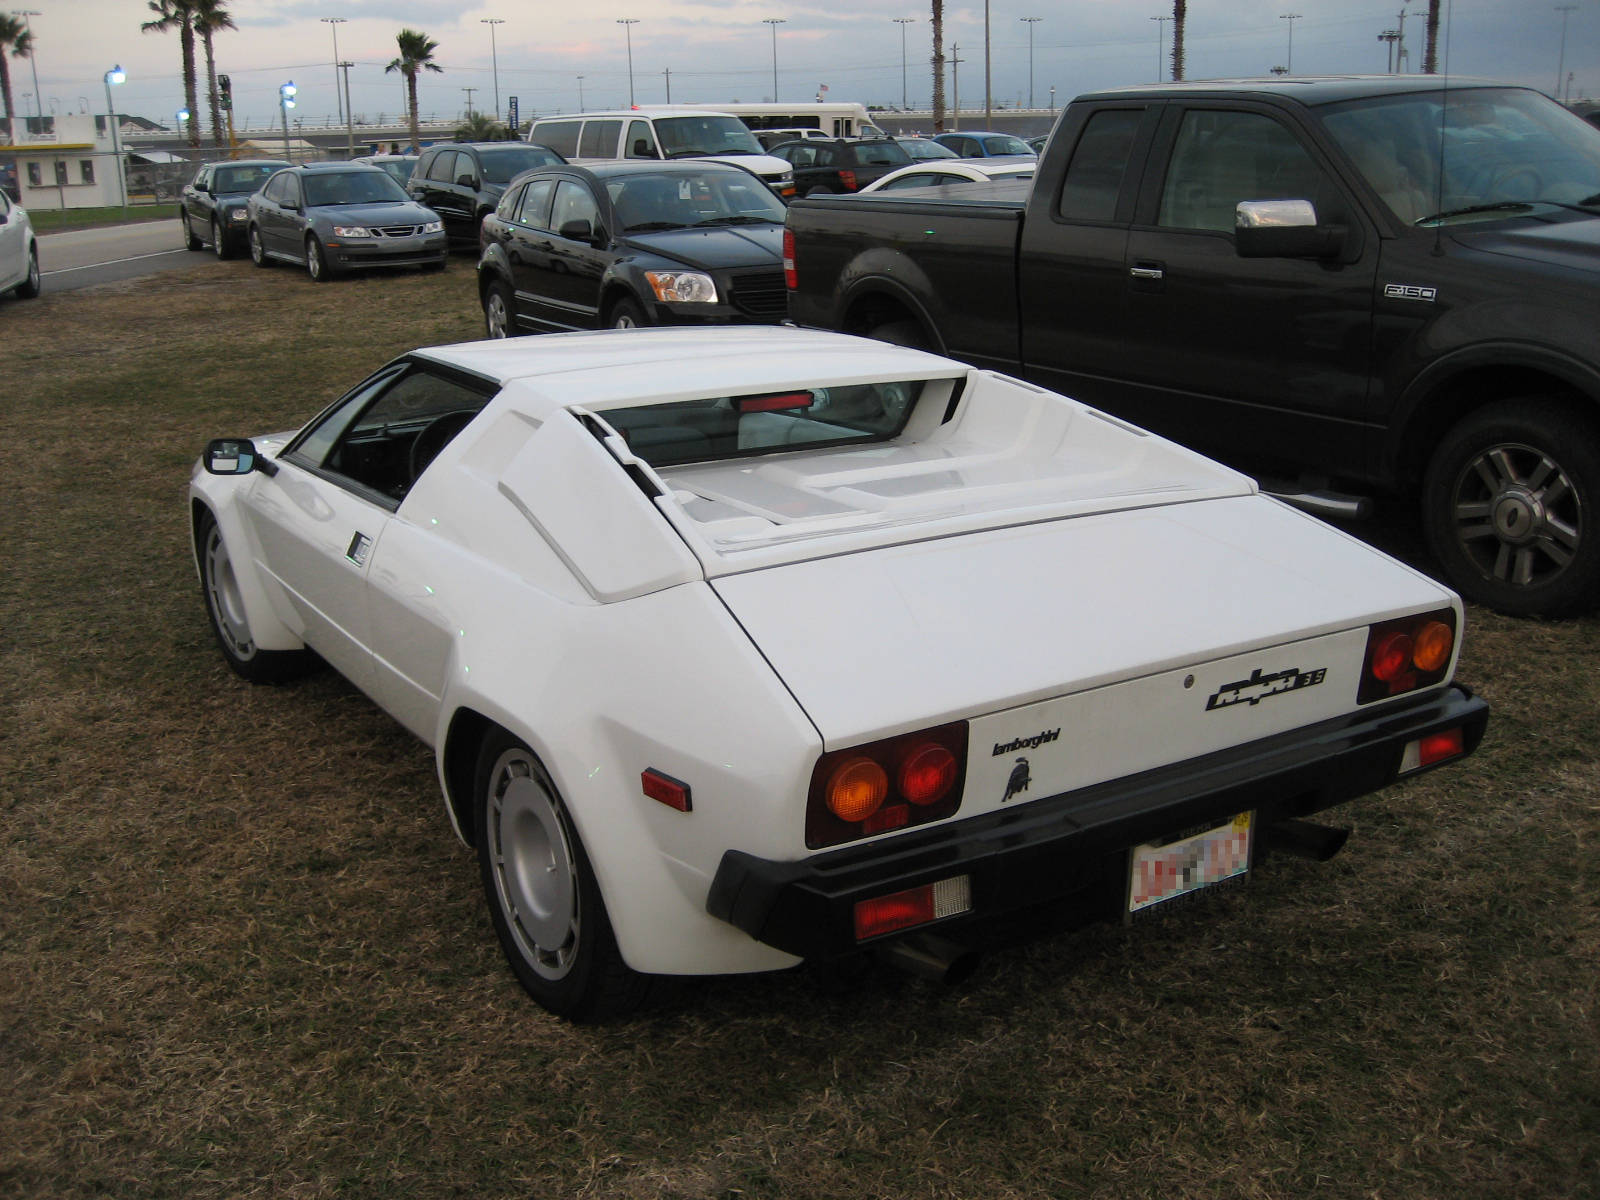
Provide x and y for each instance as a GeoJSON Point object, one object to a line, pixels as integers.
{"type": "Point", "coordinates": [618, 245]}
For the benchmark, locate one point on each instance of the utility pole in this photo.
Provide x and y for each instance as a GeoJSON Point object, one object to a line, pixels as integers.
{"type": "Point", "coordinates": [580, 93]}
{"type": "Point", "coordinates": [668, 74]}
{"type": "Point", "coordinates": [903, 22]}
{"type": "Point", "coordinates": [285, 103]}
{"type": "Point", "coordinates": [1400, 53]}
{"type": "Point", "coordinates": [333, 24]}
{"type": "Point", "coordinates": [1161, 44]}
{"type": "Point", "coordinates": [1561, 61]}
{"type": "Point", "coordinates": [494, 60]}
{"type": "Point", "coordinates": [937, 102]}
{"type": "Point", "coordinates": [1291, 18]}
{"type": "Point", "coordinates": [1430, 51]}
{"type": "Point", "coordinates": [955, 71]}
{"type": "Point", "coordinates": [774, 22]}
{"type": "Point", "coordinates": [1030, 22]}
{"type": "Point", "coordinates": [349, 117]}
{"type": "Point", "coordinates": [1180, 14]}
{"type": "Point", "coordinates": [33, 59]}
{"type": "Point", "coordinates": [988, 73]}
{"type": "Point", "coordinates": [627, 24]}
{"type": "Point", "coordinates": [469, 91]}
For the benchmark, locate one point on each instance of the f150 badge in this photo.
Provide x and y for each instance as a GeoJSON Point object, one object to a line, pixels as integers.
{"type": "Point", "coordinates": [1409, 291]}
{"type": "Point", "coordinates": [1261, 687]}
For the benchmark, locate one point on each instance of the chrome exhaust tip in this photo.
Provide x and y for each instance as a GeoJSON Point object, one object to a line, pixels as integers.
{"type": "Point", "coordinates": [932, 957]}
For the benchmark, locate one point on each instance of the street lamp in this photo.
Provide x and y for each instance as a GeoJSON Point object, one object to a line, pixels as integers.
{"type": "Point", "coordinates": [774, 22]}
{"type": "Point", "coordinates": [903, 22]}
{"type": "Point", "coordinates": [349, 113]}
{"type": "Point", "coordinates": [580, 93]}
{"type": "Point", "coordinates": [33, 61]}
{"type": "Point", "coordinates": [116, 75]}
{"type": "Point", "coordinates": [494, 60]}
{"type": "Point", "coordinates": [333, 23]}
{"type": "Point", "coordinates": [1561, 62]}
{"type": "Point", "coordinates": [1030, 22]}
{"type": "Point", "coordinates": [183, 115]}
{"type": "Point", "coordinates": [627, 24]}
{"type": "Point", "coordinates": [988, 73]}
{"type": "Point", "coordinates": [1161, 45]}
{"type": "Point", "coordinates": [286, 96]}
{"type": "Point", "coordinates": [1291, 18]}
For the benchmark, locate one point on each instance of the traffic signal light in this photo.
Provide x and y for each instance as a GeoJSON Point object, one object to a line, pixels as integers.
{"type": "Point", "coordinates": [225, 92]}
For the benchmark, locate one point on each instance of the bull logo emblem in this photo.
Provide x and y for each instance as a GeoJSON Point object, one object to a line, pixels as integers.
{"type": "Point", "coordinates": [1019, 781]}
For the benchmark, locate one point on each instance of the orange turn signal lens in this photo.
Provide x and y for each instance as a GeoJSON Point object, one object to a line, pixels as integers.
{"type": "Point", "coordinates": [856, 789]}
{"type": "Point", "coordinates": [1391, 657]}
{"type": "Point", "coordinates": [1431, 646]}
{"type": "Point", "coordinates": [927, 774]}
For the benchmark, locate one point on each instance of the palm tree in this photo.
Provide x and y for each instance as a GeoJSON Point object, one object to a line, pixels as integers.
{"type": "Point", "coordinates": [938, 66]}
{"type": "Point", "coordinates": [211, 16]}
{"type": "Point", "coordinates": [179, 15]}
{"type": "Point", "coordinates": [416, 54]}
{"type": "Point", "coordinates": [482, 127]}
{"type": "Point", "coordinates": [1180, 14]}
{"type": "Point", "coordinates": [13, 33]}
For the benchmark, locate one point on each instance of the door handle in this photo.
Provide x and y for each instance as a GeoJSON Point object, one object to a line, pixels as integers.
{"type": "Point", "coordinates": [1147, 272]}
{"type": "Point", "coordinates": [360, 544]}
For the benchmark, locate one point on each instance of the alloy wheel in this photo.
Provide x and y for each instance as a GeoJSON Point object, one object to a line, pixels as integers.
{"type": "Point", "coordinates": [533, 864]}
{"type": "Point", "coordinates": [227, 602]}
{"type": "Point", "coordinates": [258, 252]}
{"type": "Point", "coordinates": [217, 245]}
{"type": "Point", "coordinates": [496, 317]}
{"type": "Point", "coordinates": [1517, 516]}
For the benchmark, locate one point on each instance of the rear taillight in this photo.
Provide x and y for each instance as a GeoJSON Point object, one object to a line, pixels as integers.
{"type": "Point", "coordinates": [848, 179]}
{"type": "Point", "coordinates": [790, 280]}
{"type": "Point", "coordinates": [907, 780]}
{"type": "Point", "coordinates": [1406, 654]}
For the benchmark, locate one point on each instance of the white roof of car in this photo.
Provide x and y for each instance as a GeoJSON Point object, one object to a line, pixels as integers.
{"type": "Point", "coordinates": [644, 110]}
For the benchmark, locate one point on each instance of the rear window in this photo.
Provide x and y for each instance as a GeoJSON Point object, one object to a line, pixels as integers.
{"type": "Point", "coordinates": [560, 136]}
{"type": "Point", "coordinates": [881, 154]}
{"type": "Point", "coordinates": [502, 166]}
{"type": "Point", "coordinates": [740, 426]}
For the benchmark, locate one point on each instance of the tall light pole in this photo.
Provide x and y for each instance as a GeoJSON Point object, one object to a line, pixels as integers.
{"type": "Point", "coordinates": [580, 93]}
{"type": "Point", "coordinates": [33, 59]}
{"type": "Point", "coordinates": [1291, 18]}
{"type": "Point", "coordinates": [627, 24]}
{"type": "Point", "coordinates": [903, 22]}
{"type": "Point", "coordinates": [333, 24]}
{"type": "Point", "coordinates": [116, 75]}
{"type": "Point", "coordinates": [349, 114]}
{"type": "Point", "coordinates": [774, 22]}
{"type": "Point", "coordinates": [1161, 45]}
{"type": "Point", "coordinates": [1030, 22]}
{"type": "Point", "coordinates": [955, 79]}
{"type": "Point", "coordinates": [988, 73]}
{"type": "Point", "coordinates": [286, 96]}
{"type": "Point", "coordinates": [1561, 62]}
{"type": "Point", "coordinates": [494, 60]}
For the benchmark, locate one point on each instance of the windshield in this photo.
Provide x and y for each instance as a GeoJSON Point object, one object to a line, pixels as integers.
{"type": "Point", "coordinates": [1499, 146]}
{"type": "Point", "coordinates": [683, 136]}
{"type": "Point", "coordinates": [680, 199]}
{"type": "Point", "coordinates": [502, 166]}
{"type": "Point", "coordinates": [351, 187]}
{"type": "Point", "coordinates": [399, 169]}
{"type": "Point", "coordinates": [737, 426]}
{"type": "Point", "coordinates": [1007, 145]}
{"type": "Point", "coordinates": [919, 148]}
{"type": "Point", "coordinates": [245, 178]}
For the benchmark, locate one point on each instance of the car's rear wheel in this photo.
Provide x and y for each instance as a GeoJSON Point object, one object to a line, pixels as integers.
{"type": "Point", "coordinates": [497, 311]}
{"type": "Point", "coordinates": [30, 287]}
{"type": "Point", "coordinates": [219, 241]}
{"type": "Point", "coordinates": [1511, 503]}
{"type": "Point", "coordinates": [317, 260]}
{"type": "Point", "coordinates": [626, 314]}
{"type": "Point", "coordinates": [190, 240]}
{"type": "Point", "coordinates": [230, 620]}
{"type": "Point", "coordinates": [258, 251]}
{"type": "Point", "coordinates": [546, 906]}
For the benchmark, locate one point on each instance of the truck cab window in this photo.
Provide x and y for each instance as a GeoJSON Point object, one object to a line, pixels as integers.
{"type": "Point", "coordinates": [1221, 158]}
{"type": "Point", "coordinates": [1099, 162]}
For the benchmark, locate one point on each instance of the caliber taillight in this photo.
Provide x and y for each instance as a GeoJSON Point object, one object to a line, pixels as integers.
{"type": "Point", "coordinates": [848, 179]}
{"type": "Point", "coordinates": [1406, 654]}
{"type": "Point", "coordinates": [907, 780]}
{"type": "Point", "coordinates": [790, 280]}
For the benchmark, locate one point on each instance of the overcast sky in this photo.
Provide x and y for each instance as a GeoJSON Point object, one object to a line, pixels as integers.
{"type": "Point", "coordinates": [720, 50]}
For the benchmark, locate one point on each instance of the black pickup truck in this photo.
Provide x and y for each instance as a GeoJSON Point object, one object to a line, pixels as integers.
{"type": "Point", "coordinates": [1375, 285]}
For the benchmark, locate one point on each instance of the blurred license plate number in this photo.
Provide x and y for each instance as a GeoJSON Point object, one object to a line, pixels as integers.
{"type": "Point", "coordinates": [1164, 875]}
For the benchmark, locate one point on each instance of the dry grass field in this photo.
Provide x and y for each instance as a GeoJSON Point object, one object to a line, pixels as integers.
{"type": "Point", "coordinates": [241, 954]}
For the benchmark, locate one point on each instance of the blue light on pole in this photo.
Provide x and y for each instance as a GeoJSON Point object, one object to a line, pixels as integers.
{"type": "Point", "coordinates": [286, 96]}
{"type": "Point", "coordinates": [116, 75]}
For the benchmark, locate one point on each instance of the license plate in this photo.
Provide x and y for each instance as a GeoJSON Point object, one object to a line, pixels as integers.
{"type": "Point", "coordinates": [1165, 874]}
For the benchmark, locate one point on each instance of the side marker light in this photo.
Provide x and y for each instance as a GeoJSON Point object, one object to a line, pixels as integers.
{"type": "Point", "coordinates": [674, 793]}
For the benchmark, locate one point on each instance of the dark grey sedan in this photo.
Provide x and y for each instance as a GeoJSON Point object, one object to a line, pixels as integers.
{"type": "Point", "coordinates": [335, 217]}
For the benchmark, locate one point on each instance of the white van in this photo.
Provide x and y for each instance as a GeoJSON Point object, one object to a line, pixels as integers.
{"type": "Point", "coordinates": [662, 132]}
{"type": "Point", "coordinates": [836, 119]}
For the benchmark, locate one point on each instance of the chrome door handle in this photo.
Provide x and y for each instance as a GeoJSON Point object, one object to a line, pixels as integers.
{"type": "Point", "coordinates": [1146, 272]}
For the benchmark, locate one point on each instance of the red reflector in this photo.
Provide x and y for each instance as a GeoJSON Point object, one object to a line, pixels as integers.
{"type": "Point", "coordinates": [790, 280]}
{"type": "Point", "coordinates": [674, 793]}
{"type": "Point", "coordinates": [891, 817]}
{"type": "Point", "coordinates": [848, 178]}
{"type": "Point", "coordinates": [1439, 746]}
{"type": "Point", "coordinates": [899, 911]}
{"type": "Point", "coordinates": [750, 404]}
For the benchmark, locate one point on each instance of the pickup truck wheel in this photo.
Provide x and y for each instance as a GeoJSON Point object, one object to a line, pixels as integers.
{"type": "Point", "coordinates": [1511, 504]}
{"type": "Point", "coordinates": [546, 906]}
{"type": "Point", "coordinates": [230, 622]}
{"type": "Point", "coordinates": [902, 333]}
{"type": "Point", "coordinates": [190, 241]}
{"type": "Point", "coordinates": [258, 251]}
{"type": "Point", "coordinates": [626, 314]}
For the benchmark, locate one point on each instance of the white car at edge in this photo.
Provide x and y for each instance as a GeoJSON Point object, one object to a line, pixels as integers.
{"type": "Point", "coordinates": [739, 647]}
{"type": "Point", "coordinates": [19, 251]}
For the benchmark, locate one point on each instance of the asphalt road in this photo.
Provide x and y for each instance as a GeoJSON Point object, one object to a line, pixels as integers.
{"type": "Point", "coordinates": [82, 257]}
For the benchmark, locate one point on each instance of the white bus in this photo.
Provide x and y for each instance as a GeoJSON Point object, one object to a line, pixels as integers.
{"type": "Point", "coordinates": [835, 120]}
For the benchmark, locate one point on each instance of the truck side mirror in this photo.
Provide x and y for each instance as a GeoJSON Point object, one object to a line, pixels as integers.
{"type": "Point", "coordinates": [643, 149]}
{"type": "Point", "coordinates": [1284, 229]}
{"type": "Point", "coordinates": [231, 456]}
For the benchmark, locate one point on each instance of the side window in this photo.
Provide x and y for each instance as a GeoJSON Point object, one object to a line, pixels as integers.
{"type": "Point", "coordinates": [641, 142]}
{"type": "Point", "coordinates": [1099, 162]}
{"type": "Point", "coordinates": [802, 156]}
{"type": "Point", "coordinates": [574, 202]}
{"type": "Point", "coordinates": [390, 442]}
{"type": "Point", "coordinates": [560, 136]}
{"type": "Point", "coordinates": [467, 173]}
{"type": "Point", "coordinates": [599, 139]}
{"type": "Point", "coordinates": [314, 447]}
{"type": "Point", "coordinates": [535, 208]}
{"type": "Point", "coordinates": [202, 181]}
{"type": "Point", "coordinates": [822, 156]}
{"type": "Point", "coordinates": [443, 169]}
{"type": "Point", "coordinates": [921, 179]}
{"type": "Point", "coordinates": [1221, 158]}
{"type": "Point", "coordinates": [291, 191]}
{"type": "Point", "coordinates": [506, 210]}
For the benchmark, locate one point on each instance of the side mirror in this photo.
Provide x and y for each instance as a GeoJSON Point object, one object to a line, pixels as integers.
{"type": "Point", "coordinates": [577, 231]}
{"type": "Point", "coordinates": [643, 149]}
{"type": "Point", "coordinates": [467, 181]}
{"type": "Point", "coordinates": [1284, 229]}
{"type": "Point", "coordinates": [232, 456]}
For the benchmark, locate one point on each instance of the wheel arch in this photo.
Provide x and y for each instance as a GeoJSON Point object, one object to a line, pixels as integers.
{"type": "Point", "coordinates": [615, 290]}
{"type": "Point", "coordinates": [875, 302]}
{"type": "Point", "coordinates": [458, 763]}
{"type": "Point", "coordinates": [266, 625]}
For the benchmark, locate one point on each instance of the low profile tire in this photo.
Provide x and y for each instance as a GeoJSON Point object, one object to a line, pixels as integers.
{"type": "Point", "coordinates": [30, 287]}
{"type": "Point", "coordinates": [258, 251]}
{"type": "Point", "coordinates": [1511, 505]}
{"type": "Point", "coordinates": [219, 242]}
{"type": "Point", "coordinates": [626, 314]}
{"type": "Point", "coordinates": [497, 311]}
{"type": "Point", "coordinates": [902, 333]}
{"type": "Point", "coordinates": [546, 906]}
{"type": "Point", "coordinates": [190, 240]}
{"type": "Point", "coordinates": [317, 261]}
{"type": "Point", "coordinates": [230, 622]}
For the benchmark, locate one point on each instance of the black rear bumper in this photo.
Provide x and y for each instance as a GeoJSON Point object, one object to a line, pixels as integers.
{"type": "Point", "coordinates": [1028, 858]}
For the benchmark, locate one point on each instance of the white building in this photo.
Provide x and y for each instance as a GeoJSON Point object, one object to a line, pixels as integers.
{"type": "Point", "coordinates": [63, 161]}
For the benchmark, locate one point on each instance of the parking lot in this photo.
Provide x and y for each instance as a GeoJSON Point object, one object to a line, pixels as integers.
{"type": "Point", "coordinates": [244, 955]}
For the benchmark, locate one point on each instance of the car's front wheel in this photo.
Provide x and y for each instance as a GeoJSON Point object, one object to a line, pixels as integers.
{"type": "Point", "coordinates": [219, 241]}
{"type": "Point", "coordinates": [1511, 503]}
{"type": "Point", "coordinates": [546, 906]}
{"type": "Point", "coordinates": [497, 311]}
{"type": "Point", "coordinates": [230, 621]}
{"type": "Point", "coordinates": [190, 240]}
{"type": "Point", "coordinates": [626, 314]}
{"type": "Point", "coordinates": [30, 286]}
{"type": "Point", "coordinates": [317, 260]}
{"type": "Point", "coordinates": [258, 250]}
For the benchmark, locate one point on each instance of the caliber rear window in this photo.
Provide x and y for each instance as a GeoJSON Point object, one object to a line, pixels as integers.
{"type": "Point", "coordinates": [764, 423]}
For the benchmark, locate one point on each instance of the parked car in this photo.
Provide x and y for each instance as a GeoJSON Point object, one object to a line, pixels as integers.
{"type": "Point", "coordinates": [627, 244]}
{"type": "Point", "coordinates": [1037, 144]}
{"type": "Point", "coordinates": [773, 137]}
{"type": "Point", "coordinates": [840, 165]}
{"type": "Point", "coordinates": [983, 145]}
{"type": "Point", "coordinates": [1278, 273]}
{"type": "Point", "coordinates": [646, 132]}
{"type": "Point", "coordinates": [742, 647]}
{"type": "Point", "coordinates": [463, 182]}
{"type": "Point", "coordinates": [398, 166]}
{"type": "Point", "coordinates": [19, 251]}
{"type": "Point", "coordinates": [334, 217]}
{"type": "Point", "coordinates": [944, 173]}
{"type": "Point", "coordinates": [922, 149]}
{"type": "Point", "coordinates": [214, 207]}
